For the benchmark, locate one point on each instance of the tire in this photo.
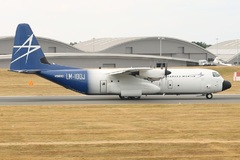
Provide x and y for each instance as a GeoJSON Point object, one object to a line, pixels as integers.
{"type": "Point", "coordinates": [123, 97]}
{"type": "Point", "coordinates": [209, 95]}
{"type": "Point", "coordinates": [126, 97]}
{"type": "Point", "coordinates": [135, 98]}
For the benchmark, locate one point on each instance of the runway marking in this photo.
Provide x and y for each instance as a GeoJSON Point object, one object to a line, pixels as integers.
{"type": "Point", "coordinates": [118, 142]}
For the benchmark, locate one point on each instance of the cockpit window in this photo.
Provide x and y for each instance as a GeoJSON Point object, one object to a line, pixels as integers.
{"type": "Point", "coordinates": [215, 74]}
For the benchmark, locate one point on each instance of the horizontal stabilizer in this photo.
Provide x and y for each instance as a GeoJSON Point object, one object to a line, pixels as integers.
{"type": "Point", "coordinates": [27, 71]}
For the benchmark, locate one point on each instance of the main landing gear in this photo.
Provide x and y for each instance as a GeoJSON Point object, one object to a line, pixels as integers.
{"type": "Point", "coordinates": [131, 97]}
{"type": "Point", "coordinates": [209, 95]}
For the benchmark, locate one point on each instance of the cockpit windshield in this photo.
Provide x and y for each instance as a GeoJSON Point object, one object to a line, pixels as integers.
{"type": "Point", "coordinates": [215, 74]}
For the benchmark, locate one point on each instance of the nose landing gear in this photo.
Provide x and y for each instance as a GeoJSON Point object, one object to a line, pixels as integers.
{"type": "Point", "coordinates": [209, 95]}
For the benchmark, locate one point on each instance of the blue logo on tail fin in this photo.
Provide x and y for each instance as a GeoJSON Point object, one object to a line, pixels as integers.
{"type": "Point", "coordinates": [27, 55]}
{"type": "Point", "coordinates": [26, 50]}
{"type": "Point", "coordinates": [30, 49]}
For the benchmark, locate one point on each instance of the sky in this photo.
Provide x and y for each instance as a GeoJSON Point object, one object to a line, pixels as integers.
{"type": "Point", "coordinates": [208, 21]}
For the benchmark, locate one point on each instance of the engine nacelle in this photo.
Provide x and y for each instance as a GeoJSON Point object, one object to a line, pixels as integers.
{"type": "Point", "coordinates": [152, 74]}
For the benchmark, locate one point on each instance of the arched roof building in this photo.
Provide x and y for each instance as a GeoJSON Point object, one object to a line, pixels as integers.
{"type": "Point", "coordinates": [48, 46]}
{"type": "Point", "coordinates": [165, 46]}
{"type": "Point", "coordinates": [116, 52]}
{"type": "Point", "coordinates": [228, 51]}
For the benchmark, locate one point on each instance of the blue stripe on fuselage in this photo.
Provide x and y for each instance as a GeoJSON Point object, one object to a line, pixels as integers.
{"type": "Point", "coordinates": [74, 79]}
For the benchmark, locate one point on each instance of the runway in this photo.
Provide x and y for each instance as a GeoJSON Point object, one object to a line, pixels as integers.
{"type": "Point", "coordinates": [106, 99]}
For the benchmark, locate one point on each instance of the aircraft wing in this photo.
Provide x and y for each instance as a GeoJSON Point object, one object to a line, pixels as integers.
{"type": "Point", "coordinates": [151, 74]}
{"type": "Point", "coordinates": [128, 71]}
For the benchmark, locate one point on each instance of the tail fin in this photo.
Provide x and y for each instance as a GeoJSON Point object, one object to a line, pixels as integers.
{"type": "Point", "coordinates": [27, 55]}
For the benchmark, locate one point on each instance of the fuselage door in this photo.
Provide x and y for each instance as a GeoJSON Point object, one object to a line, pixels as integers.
{"type": "Point", "coordinates": [103, 86]}
{"type": "Point", "coordinates": [170, 84]}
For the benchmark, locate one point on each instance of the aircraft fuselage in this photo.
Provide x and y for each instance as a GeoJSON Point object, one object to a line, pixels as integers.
{"type": "Point", "coordinates": [100, 82]}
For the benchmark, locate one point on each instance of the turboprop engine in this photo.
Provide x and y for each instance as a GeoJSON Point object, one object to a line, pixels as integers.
{"type": "Point", "coordinates": [154, 74]}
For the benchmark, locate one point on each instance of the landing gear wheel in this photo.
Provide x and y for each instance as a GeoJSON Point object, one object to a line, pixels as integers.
{"type": "Point", "coordinates": [209, 95]}
{"type": "Point", "coordinates": [123, 97]}
{"type": "Point", "coordinates": [126, 97]}
{"type": "Point", "coordinates": [135, 98]}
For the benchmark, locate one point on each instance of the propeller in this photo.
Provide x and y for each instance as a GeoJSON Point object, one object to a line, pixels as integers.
{"type": "Point", "coordinates": [167, 72]}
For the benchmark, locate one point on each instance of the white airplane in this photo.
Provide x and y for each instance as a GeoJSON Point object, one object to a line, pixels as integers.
{"type": "Point", "coordinates": [128, 83]}
{"type": "Point", "coordinates": [218, 62]}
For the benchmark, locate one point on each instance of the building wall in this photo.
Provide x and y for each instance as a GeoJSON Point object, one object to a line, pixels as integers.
{"type": "Point", "coordinates": [235, 60]}
{"type": "Point", "coordinates": [6, 46]}
{"type": "Point", "coordinates": [147, 46]}
{"type": "Point", "coordinates": [103, 62]}
{"type": "Point", "coordinates": [48, 46]}
{"type": "Point", "coordinates": [169, 47]}
{"type": "Point", "coordinates": [107, 62]}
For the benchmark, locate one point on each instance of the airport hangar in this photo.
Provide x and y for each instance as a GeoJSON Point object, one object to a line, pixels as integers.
{"type": "Point", "coordinates": [115, 52]}
{"type": "Point", "coordinates": [227, 51]}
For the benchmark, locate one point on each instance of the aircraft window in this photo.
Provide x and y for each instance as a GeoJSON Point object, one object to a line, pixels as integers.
{"type": "Point", "coordinates": [215, 74]}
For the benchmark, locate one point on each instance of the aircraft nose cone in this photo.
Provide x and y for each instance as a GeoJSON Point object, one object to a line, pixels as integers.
{"type": "Point", "coordinates": [226, 85]}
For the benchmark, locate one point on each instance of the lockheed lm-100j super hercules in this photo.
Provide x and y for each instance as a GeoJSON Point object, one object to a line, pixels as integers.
{"type": "Point", "coordinates": [128, 83]}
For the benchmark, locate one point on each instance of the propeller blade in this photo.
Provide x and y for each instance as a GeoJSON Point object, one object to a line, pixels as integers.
{"type": "Point", "coordinates": [167, 72]}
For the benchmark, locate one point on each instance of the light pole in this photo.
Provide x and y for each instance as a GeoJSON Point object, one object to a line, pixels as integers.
{"type": "Point", "coordinates": [93, 45]}
{"type": "Point", "coordinates": [160, 45]}
{"type": "Point", "coordinates": [237, 53]}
